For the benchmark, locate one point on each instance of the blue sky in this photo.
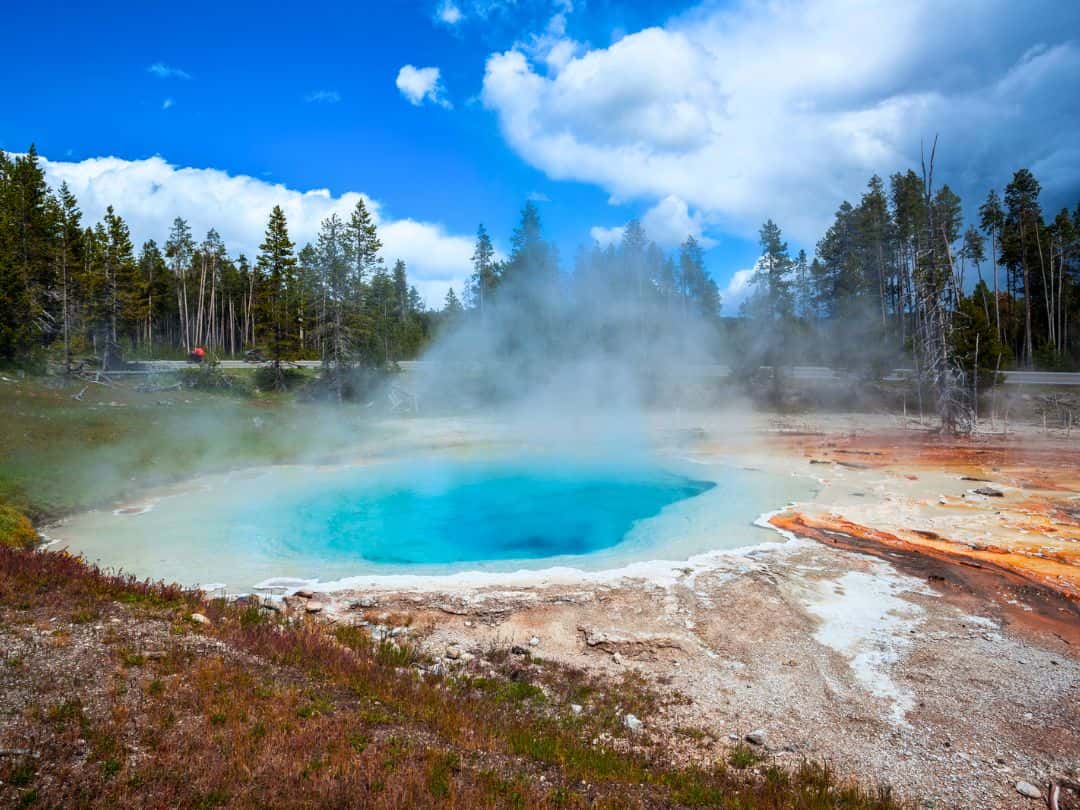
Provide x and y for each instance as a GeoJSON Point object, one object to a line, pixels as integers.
{"type": "Point", "coordinates": [697, 117]}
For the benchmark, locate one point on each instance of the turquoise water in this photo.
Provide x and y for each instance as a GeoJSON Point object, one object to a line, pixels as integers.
{"type": "Point", "coordinates": [428, 516]}
{"type": "Point", "coordinates": [454, 512]}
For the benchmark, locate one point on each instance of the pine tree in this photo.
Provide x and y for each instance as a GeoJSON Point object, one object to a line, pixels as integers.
{"type": "Point", "coordinates": [153, 279]}
{"type": "Point", "coordinates": [699, 292]}
{"type": "Point", "coordinates": [123, 296]}
{"type": "Point", "coordinates": [452, 308]}
{"type": "Point", "coordinates": [332, 261]}
{"type": "Point", "coordinates": [484, 277]}
{"type": "Point", "coordinates": [532, 262]}
{"type": "Point", "coordinates": [773, 272]}
{"type": "Point", "coordinates": [363, 245]}
{"type": "Point", "coordinates": [180, 251]}
{"type": "Point", "coordinates": [31, 310]}
{"type": "Point", "coordinates": [873, 232]}
{"type": "Point", "coordinates": [632, 247]}
{"type": "Point", "coordinates": [276, 265]}
{"type": "Point", "coordinates": [991, 220]}
{"type": "Point", "coordinates": [381, 316]}
{"type": "Point", "coordinates": [69, 256]}
{"type": "Point", "coordinates": [1025, 222]}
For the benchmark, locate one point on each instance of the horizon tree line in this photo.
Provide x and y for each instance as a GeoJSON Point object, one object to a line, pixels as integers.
{"type": "Point", "coordinates": [75, 289]}
{"type": "Point", "coordinates": [900, 262]}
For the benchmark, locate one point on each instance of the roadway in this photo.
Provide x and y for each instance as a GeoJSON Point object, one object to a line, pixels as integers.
{"type": "Point", "coordinates": [820, 373]}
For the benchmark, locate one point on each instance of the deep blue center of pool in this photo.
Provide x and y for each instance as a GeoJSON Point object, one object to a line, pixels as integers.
{"type": "Point", "coordinates": [460, 512]}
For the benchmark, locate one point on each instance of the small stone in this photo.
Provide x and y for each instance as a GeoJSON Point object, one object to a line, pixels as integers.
{"type": "Point", "coordinates": [575, 708]}
{"type": "Point", "coordinates": [453, 652]}
{"type": "Point", "coordinates": [632, 723]}
{"type": "Point", "coordinates": [756, 737]}
{"type": "Point", "coordinates": [617, 658]}
{"type": "Point", "coordinates": [989, 492]}
{"type": "Point", "coordinates": [534, 641]}
{"type": "Point", "coordinates": [198, 618]}
{"type": "Point", "coordinates": [314, 607]}
{"type": "Point", "coordinates": [1029, 790]}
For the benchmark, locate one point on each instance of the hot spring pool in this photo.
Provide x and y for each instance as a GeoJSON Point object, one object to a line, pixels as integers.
{"type": "Point", "coordinates": [429, 516]}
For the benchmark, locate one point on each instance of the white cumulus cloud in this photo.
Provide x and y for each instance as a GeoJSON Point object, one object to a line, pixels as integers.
{"type": "Point", "coordinates": [782, 109]}
{"type": "Point", "coordinates": [151, 192]}
{"type": "Point", "coordinates": [607, 236]}
{"type": "Point", "coordinates": [667, 223]}
{"type": "Point", "coordinates": [448, 12]}
{"type": "Point", "coordinates": [422, 84]}
{"type": "Point", "coordinates": [738, 289]}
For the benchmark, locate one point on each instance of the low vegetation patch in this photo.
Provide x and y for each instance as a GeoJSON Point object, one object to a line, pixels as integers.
{"type": "Point", "coordinates": [16, 530]}
{"type": "Point", "coordinates": [253, 709]}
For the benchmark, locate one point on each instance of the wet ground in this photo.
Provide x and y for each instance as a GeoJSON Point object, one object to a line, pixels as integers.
{"type": "Point", "coordinates": [919, 633]}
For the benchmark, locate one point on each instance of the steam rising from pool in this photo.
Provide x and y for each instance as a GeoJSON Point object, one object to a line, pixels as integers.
{"type": "Point", "coordinates": [428, 516]}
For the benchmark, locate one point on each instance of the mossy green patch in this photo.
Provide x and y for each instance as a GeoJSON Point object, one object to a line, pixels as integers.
{"type": "Point", "coordinates": [16, 530]}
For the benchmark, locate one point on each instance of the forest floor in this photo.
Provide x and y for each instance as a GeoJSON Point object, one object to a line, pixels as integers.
{"type": "Point", "coordinates": [885, 646]}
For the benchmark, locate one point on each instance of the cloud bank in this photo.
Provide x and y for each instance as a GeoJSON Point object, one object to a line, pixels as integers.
{"type": "Point", "coordinates": [783, 109]}
{"type": "Point", "coordinates": [150, 193]}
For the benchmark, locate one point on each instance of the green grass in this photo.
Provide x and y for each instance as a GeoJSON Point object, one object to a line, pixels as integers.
{"type": "Point", "coordinates": [58, 455]}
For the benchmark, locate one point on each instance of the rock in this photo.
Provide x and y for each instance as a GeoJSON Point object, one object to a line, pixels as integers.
{"type": "Point", "coordinates": [306, 594]}
{"type": "Point", "coordinates": [756, 737]}
{"type": "Point", "coordinates": [534, 641]}
{"type": "Point", "coordinates": [314, 607]}
{"type": "Point", "coordinates": [198, 618]}
{"type": "Point", "coordinates": [1029, 790]}
{"type": "Point", "coordinates": [517, 649]}
{"type": "Point", "coordinates": [453, 652]}
{"type": "Point", "coordinates": [617, 658]}
{"type": "Point", "coordinates": [989, 492]}
{"type": "Point", "coordinates": [363, 603]}
{"type": "Point", "coordinates": [575, 708]}
{"type": "Point", "coordinates": [632, 723]}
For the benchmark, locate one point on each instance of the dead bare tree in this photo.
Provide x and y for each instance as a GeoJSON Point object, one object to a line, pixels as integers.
{"type": "Point", "coordinates": [934, 277]}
